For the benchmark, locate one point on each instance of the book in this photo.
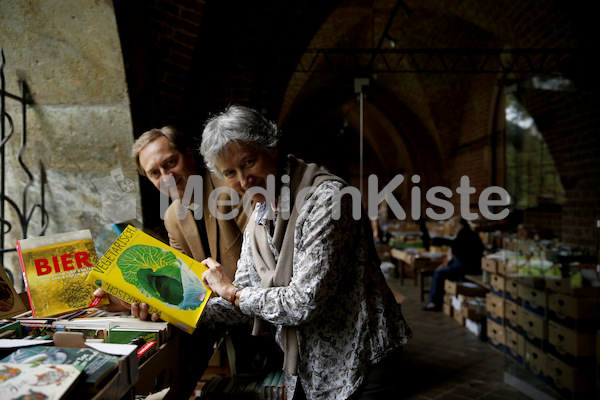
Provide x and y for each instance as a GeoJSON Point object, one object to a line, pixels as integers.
{"type": "Point", "coordinates": [11, 329]}
{"type": "Point", "coordinates": [140, 268]}
{"type": "Point", "coordinates": [10, 302]}
{"type": "Point", "coordinates": [126, 335]}
{"type": "Point", "coordinates": [145, 349]}
{"type": "Point", "coordinates": [95, 365]}
{"type": "Point", "coordinates": [102, 327]}
{"type": "Point", "coordinates": [55, 268]}
{"type": "Point", "coordinates": [92, 330]}
{"type": "Point", "coordinates": [37, 381]}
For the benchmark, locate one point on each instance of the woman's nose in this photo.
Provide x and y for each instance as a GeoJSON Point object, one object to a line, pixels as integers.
{"type": "Point", "coordinates": [245, 180]}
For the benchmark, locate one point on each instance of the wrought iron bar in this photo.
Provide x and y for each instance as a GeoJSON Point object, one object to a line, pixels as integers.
{"type": "Point", "coordinates": [24, 213]}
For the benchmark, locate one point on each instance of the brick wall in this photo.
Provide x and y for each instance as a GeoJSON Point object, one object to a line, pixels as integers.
{"type": "Point", "coordinates": [175, 25]}
{"type": "Point", "coordinates": [569, 122]}
{"type": "Point", "coordinates": [202, 57]}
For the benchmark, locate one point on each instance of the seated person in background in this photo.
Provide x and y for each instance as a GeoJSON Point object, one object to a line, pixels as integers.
{"type": "Point", "coordinates": [162, 154]}
{"type": "Point", "coordinates": [467, 250]}
{"type": "Point", "coordinates": [314, 278]}
{"type": "Point", "coordinates": [425, 238]}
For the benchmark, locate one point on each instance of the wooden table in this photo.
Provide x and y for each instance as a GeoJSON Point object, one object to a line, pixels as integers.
{"type": "Point", "coordinates": [422, 266]}
{"type": "Point", "coordinates": [416, 262]}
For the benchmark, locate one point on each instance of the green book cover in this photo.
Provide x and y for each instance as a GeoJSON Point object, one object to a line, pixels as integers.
{"type": "Point", "coordinates": [124, 336]}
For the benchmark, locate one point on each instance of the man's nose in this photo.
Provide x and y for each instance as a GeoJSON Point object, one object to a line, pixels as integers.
{"type": "Point", "coordinates": [166, 175]}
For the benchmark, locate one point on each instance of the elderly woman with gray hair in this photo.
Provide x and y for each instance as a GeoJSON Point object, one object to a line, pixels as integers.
{"type": "Point", "coordinates": [312, 276]}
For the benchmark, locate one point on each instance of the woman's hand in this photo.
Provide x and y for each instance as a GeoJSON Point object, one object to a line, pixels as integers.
{"type": "Point", "coordinates": [217, 280]}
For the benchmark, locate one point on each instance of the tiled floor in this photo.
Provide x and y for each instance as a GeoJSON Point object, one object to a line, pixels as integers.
{"type": "Point", "coordinates": [445, 361]}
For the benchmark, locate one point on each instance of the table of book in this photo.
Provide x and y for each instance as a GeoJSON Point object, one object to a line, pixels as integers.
{"type": "Point", "coordinates": [130, 378]}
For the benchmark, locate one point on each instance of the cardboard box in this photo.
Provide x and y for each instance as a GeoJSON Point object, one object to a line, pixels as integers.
{"type": "Point", "coordinates": [448, 299]}
{"type": "Point", "coordinates": [495, 307]}
{"type": "Point", "coordinates": [563, 285]}
{"type": "Point", "coordinates": [534, 300]}
{"type": "Point", "coordinates": [447, 309]}
{"type": "Point", "coordinates": [467, 289]}
{"type": "Point", "coordinates": [573, 347]}
{"type": "Point", "coordinates": [511, 290]}
{"type": "Point", "coordinates": [450, 287]}
{"type": "Point", "coordinates": [458, 317]}
{"type": "Point", "coordinates": [571, 382]}
{"type": "Point", "coordinates": [511, 315]}
{"type": "Point", "coordinates": [474, 310]}
{"type": "Point", "coordinates": [533, 326]}
{"type": "Point", "coordinates": [580, 313]}
{"type": "Point", "coordinates": [489, 265]}
{"type": "Point", "coordinates": [535, 281]}
{"type": "Point", "coordinates": [535, 360]}
{"type": "Point", "coordinates": [494, 266]}
{"type": "Point", "coordinates": [515, 345]}
{"type": "Point", "coordinates": [495, 333]}
{"type": "Point", "coordinates": [501, 265]}
{"type": "Point", "coordinates": [497, 284]}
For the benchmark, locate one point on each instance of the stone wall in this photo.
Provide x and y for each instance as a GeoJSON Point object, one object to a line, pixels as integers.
{"type": "Point", "coordinates": [79, 125]}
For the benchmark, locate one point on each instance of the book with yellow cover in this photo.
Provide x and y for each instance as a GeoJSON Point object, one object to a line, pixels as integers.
{"type": "Point", "coordinates": [140, 268]}
{"type": "Point", "coordinates": [55, 268]}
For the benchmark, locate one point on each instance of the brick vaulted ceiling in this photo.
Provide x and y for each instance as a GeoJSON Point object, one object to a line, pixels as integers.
{"type": "Point", "coordinates": [297, 61]}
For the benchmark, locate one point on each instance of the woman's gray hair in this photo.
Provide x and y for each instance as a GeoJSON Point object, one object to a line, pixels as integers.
{"type": "Point", "coordinates": [238, 124]}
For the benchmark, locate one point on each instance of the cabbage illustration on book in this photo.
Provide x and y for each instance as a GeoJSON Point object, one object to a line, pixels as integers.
{"type": "Point", "coordinates": [163, 275]}
{"type": "Point", "coordinates": [140, 268]}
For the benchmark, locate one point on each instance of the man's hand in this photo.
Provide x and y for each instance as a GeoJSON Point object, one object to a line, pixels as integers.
{"type": "Point", "coordinates": [141, 311]}
{"type": "Point", "coordinates": [117, 305]}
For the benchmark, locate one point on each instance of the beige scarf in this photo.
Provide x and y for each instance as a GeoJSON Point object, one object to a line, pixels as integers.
{"type": "Point", "coordinates": [279, 274]}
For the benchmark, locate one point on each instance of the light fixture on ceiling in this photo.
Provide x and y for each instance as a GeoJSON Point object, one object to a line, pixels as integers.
{"type": "Point", "coordinates": [391, 40]}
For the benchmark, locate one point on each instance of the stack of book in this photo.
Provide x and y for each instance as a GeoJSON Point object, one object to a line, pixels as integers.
{"type": "Point", "coordinates": [61, 273]}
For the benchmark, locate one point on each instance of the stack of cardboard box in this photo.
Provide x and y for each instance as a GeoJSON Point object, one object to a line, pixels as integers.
{"type": "Point", "coordinates": [465, 302]}
{"type": "Point", "coordinates": [547, 326]}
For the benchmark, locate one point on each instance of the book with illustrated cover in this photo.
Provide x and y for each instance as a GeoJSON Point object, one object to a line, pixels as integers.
{"type": "Point", "coordinates": [55, 268]}
{"type": "Point", "coordinates": [140, 268]}
{"type": "Point", "coordinates": [95, 365]}
{"type": "Point", "coordinates": [10, 302]}
{"type": "Point", "coordinates": [37, 381]}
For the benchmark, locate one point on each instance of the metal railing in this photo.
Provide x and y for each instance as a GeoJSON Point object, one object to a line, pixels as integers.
{"type": "Point", "coordinates": [23, 212]}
